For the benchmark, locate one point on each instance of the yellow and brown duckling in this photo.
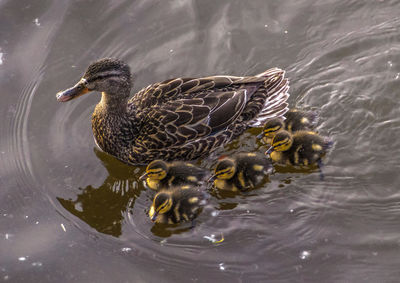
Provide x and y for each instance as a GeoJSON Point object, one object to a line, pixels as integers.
{"type": "Point", "coordinates": [296, 120]}
{"type": "Point", "coordinates": [303, 148]}
{"type": "Point", "coordinates": [177, 204]}
{"type": "Point", "coordinates": [162, 175]}
{"type": "Point", "coordinates": [177, 119]}
{"type": "Point", "coordinates": [241, 172]}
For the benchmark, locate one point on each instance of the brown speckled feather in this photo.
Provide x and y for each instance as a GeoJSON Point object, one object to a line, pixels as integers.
{"type": "Point", "coordinates": [181, 118]}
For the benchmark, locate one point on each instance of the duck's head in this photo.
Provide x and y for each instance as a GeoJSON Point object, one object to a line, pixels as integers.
{"type": "Point", "coordinates": [109, 75]}
{"type": "Point", "coordinates": [271, 128]}
{"type": "Point", "coordinates": [162, 203]}
{"type": "Point", "coordinates": [156, 170]}
{"type": "Point", "coordinates": [282, 141]}
{"type": "Point", "coordinates": [225, 169]}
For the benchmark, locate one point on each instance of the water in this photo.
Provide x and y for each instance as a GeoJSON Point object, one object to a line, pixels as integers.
{"type": "Point", "coordinates": [71, 213]}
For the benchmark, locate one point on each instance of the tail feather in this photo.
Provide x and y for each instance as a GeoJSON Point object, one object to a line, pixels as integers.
{"type": "Point", "coordinates": [277, 87]}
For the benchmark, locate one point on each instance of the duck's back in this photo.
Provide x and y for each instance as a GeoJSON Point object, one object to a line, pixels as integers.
{"type": "Point", "coordinates": [186, 118]}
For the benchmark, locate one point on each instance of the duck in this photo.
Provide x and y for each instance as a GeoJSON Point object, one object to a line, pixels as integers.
{"type": "Point", "coordinates": [177, 204]}
{"type": "Point", "coordinates": [241, 172]}
{"type": "Point", "coordinates": [163, 175]}
{"type": "Point", "coordinates": [303, 148]}
{"type": "Point", "coordinates": [179, 118]}
{"type": "Point", "coordinates": [294, 120]}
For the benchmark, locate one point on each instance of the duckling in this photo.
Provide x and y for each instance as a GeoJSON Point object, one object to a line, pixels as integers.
{"type": "Point", "coordinates": [303, 148]}
{"type": "Point", "coordinates": [241, 172]}
{"type": "Point", "coordinates": [162, 175]}
{"type": "Point", "coordinates": [296, 120]}
{"type": "Point", "coordinates": [178, 204]}
{"type": "Point", "coordinates": [300, 120]}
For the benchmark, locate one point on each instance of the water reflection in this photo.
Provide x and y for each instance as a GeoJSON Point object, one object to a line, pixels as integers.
{"type": "Point", "coordinates": [104, 207]}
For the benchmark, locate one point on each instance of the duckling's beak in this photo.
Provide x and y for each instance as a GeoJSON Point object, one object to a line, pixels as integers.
{"type": "Point", "coordinates": [73, 92]}
{"type": "Point", "coordinates": [212, 178]}
{"type": "Point", "coordinates": [260, 136]}
{"type": "Point", "coordinates": [143, 177]}
{"type": "Point", "coordinates": [269, 150]}
{"type": "Point", "coordinates": [153, 214]}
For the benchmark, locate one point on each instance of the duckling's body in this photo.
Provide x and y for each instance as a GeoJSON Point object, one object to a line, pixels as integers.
{"type": "Point", "coordinates": [300, 120]}
{"type": "Point", "coordinates": [303, 148]}
{"type": "Point", "coordinates": [296, 120]}
{"type": "Point", "coordinates": [161, 175]}
{"type": "Point", "coordinates": [241, 172]}
{"type": "Point", "coordinates": [177, 119]}
{"type": "Point", "coordinates": [178, 204]}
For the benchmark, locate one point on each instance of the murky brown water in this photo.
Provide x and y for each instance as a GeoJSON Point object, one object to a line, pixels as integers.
{"type": "Point", "coordinates": [69, 213]}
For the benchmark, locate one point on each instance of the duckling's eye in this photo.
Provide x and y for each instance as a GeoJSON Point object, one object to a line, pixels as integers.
{"type": "Point", "coordinates": [282, 142]}
{"type": "Point", "coordinates": [273, 129]}
{"type": "Point", "coordinates": [154, 171]}
{"type": "Point", "coordinates": [224, 171]}
{"type": "Point", "coordinates": [162, 206]}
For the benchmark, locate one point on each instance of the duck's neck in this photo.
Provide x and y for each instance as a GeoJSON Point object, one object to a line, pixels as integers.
{"type": "Point", "coordinates": [113, 104]}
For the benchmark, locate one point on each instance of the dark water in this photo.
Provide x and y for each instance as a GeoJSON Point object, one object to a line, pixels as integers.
{"type": "Point", "coordinates": [69, 213]}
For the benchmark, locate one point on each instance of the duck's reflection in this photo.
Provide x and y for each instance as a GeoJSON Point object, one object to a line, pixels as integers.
{"type": "Point", "coordinates": [103, 208]}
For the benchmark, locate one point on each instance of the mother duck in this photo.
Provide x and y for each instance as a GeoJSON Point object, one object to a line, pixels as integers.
{"type": "Point", "coordinates": [181, 118]}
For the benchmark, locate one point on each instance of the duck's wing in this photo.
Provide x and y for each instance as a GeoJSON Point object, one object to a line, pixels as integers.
{"type": "Point", "coordinates": [179, 88]}
{"type": "Point", "coordinates": [184, 120]}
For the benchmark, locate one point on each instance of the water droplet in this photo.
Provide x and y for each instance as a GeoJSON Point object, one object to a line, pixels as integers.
{"type": "Point", "coordinates": [6, 277]}
{"type": "Point", "coordinates": [285, 31]}
{"type": "Point", "coordinates": [374, 253]}
{"type": "Point", "coordinates": [126, 250]}
{"type": "Point", "coordinates": [396, 77]}
{"type": "Point", "coordinates": [215, 213]}
{"type": "Point", "coordinates": [8, 236]}
{"type": "Point", "coordinates": [37, 263]}
{"type": "Point", "coordinates": [247, 211]}
{"type": "Point", "coordinates": [221, 266]}
{"type": "Point", "coordinates": [26, 216]}
{"type": "Point", "coordinates": [265, 26]}
{"type": "Point", "coordinates": [1, 62]}
{"type": "Point", "coordinates": [305, 254]}
{"type": "Point", "coordinates": [22, 258]}
{"type": "Point", "coordinates": [36, 21]}
{"type": "Point", "coordinates": [171, 50]}
{"type": "Point", "coordinates": [37, 222]}
{"type": "Point", "coordinates": [390, 63]}
{"type": "Point", "coordinates": [291, 211]}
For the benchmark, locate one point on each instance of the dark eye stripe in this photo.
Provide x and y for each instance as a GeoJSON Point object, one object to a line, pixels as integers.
{"type": "Point", "coordinates": [223, 171]}
{"type": "Point", "coordinates": [104, 76]}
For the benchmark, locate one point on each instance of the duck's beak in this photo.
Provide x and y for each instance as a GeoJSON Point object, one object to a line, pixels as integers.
{"type": "Point", "coordinates": [143, 177]}
{"type": "Point", "coordinates": [153, 214]}
{"type": "Point", "coordinates": [269, 150]}
{"type": "Point", "coordinates": [73, 92]}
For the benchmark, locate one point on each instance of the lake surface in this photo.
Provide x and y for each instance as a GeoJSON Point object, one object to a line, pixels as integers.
{"type": "Point", "coordinates": [70, 213]}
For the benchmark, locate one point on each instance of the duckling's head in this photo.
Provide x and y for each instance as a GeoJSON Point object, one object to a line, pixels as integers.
{"type": "Point", "coordinates": [282, 141]}
{"type": "Point", "coordinates": [225, 169]}
{"type": "Point", "coordinates": [156, 170]}
{"type": "Point", "coordinates": [272, 127]}
{"type": "Point", "coordinates": [109, 75]}
{"type": "Point", "coordinates": [162, 203]}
